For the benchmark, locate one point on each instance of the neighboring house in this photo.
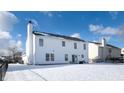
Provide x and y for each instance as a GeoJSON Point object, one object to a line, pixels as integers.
{"type": "Point", "coordinates": [48, 48]}
{"type": "Point", "coordinates": [102, 51]}
{"type": "Point", "coordinates": [122, 51]}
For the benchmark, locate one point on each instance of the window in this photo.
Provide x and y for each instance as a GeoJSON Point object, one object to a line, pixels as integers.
{"type": "Point", "coordinates": [110, 50]}
{"type": "Point", "coordinates": [40, 42]}
{"type": "Point", "coordinates": [49, 57]}
{"type": "Point", "coordinates": [63, 43]}
{"type": "Point", "coordinates": [84, 46]}
{"type": "Point", "coordinates": [75, 45]}
{"type": "Point", "coordinates": [82, 56]}
{"type": "Point", "coordinates": [52, 57]}
{"type": "Point", "coordinates": [66, 57]}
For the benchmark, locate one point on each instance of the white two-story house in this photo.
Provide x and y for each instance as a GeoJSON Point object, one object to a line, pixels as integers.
{"type": "Point", "coordinates": [48, 48]}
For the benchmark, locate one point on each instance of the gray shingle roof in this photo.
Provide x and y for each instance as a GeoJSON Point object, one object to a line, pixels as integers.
{"type": "Point", "coordinates": [107, 44]}
{"type": "Point", "coordinates": [57, 35]}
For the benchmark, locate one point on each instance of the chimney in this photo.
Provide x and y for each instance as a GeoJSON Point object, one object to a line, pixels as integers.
{"type": "Point", "coordinates": [103, 41]}
{"type": "Point", "coordinates": [29, 42]}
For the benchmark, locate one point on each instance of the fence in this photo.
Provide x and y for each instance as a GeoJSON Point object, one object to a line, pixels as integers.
{"type": "Point", "coordinates": [3, 69]}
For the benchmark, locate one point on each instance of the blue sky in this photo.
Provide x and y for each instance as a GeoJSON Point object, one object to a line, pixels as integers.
{"type": "Point", "coordinates": [89, 26]}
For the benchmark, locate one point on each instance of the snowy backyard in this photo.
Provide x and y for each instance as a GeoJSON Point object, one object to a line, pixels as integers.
{"type": "Point", "coordinates": [65, 72]}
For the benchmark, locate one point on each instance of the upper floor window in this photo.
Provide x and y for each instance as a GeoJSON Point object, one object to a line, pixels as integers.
{"type": "Point", "coordinates": [84, 46]}
{"type": "Point", "coordinates": [63, 43]}
{"type": "Point", "coordinates": [75, 45]}
{"type": "Point", "coordinates": [110, 50]}
{"type": "Point", "coordinates": [41, 42]}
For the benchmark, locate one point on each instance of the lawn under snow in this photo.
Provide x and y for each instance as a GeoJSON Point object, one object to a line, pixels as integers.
{"type": "Point", "coordinates": [66, 72]}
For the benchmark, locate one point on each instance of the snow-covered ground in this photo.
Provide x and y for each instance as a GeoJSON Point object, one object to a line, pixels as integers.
{"type": "Point", "coordinates": [65, 72]}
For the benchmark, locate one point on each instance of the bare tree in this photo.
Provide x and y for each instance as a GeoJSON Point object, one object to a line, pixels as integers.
{"type": "Point", "coordinates": [15, 55]}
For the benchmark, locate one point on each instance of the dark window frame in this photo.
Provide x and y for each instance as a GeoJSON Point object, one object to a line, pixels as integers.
{"type": "Point", "coordinates": [110, 50]}
{"type": "Point", "coordinates": [63, 43]}
{"type": "Point", "coordinates": [41, 42]}
{"type": "Point", "coordinates": [84, 46]}
{"type": "Point", "coordinates": [47, 57]}
{"type": "Point", "coordinates": [82, 56]}
{"type": "Point", "coordinates": [66, 57]}
{"type": "Point", "coordinates": [52, 57]}
{"type": "Point", "coordinates": [75, 45]}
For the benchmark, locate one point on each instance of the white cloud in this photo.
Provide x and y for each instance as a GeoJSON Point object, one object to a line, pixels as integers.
{"type": "Point", "coordinates": [35, 23]}
{"type": "Point", "coordinates": [19, 44]}
{"type": "Point", "coordinates": [48, 13]}
{"type": "Point", "coordinates": [12, 43]}
{"type": "Point", "coordinates": [7, 22]}
{"type": "Point", "coordinates": [59, 15]}
{"type": "Point", "coordinates": [100, 29]}
{"type": "Point", "coordinates": [113, 14]}
{"type": "Point", "coordinates": [5, 35]}
{"type": "Point", "coordinates": [16, 43]}
{"type": "Point", "coordinates": [95, 27]}
{"type": "Point", "coordinates": [4, 52]}
{"type": "Point", "coordinates": [107, 38]}
{"type": "Point", "coordinates": [108, 32]}
{"type": "Point", "coordinates": [77, 35]}
{"type": "Point", "coordinates": [19, 35]}
{"type": "Point", "coordinates": [51, 14]}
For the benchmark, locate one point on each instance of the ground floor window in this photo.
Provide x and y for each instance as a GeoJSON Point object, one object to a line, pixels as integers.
{"type": "Point", "coordinates": [49, 57]}
{"type": "Point", "coordinates": [82, 56]}
{"type": "Point", "coordinates": [52, 57]}
{"type": "Point", "coordinates": [66, 57]}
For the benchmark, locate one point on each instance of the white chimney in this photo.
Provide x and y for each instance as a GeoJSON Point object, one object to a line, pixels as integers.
{"type": "Point", "coordinates": [29, 43]}
{"type": "Point", "coordinates": [103, 41]}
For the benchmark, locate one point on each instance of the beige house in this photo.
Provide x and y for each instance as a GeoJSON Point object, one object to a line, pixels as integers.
{"type": "Point", "coordinates": [102, 51]}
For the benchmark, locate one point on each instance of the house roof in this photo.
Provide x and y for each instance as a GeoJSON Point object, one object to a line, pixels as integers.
{"type": "Point", "coordinates": [94, 42]}
{"type": "Point", "coordinates": [107, 44]}
{"type": "Point", "coordinates": [113, 46]}
{"type": "Point", "coordinates": [57, 35]}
